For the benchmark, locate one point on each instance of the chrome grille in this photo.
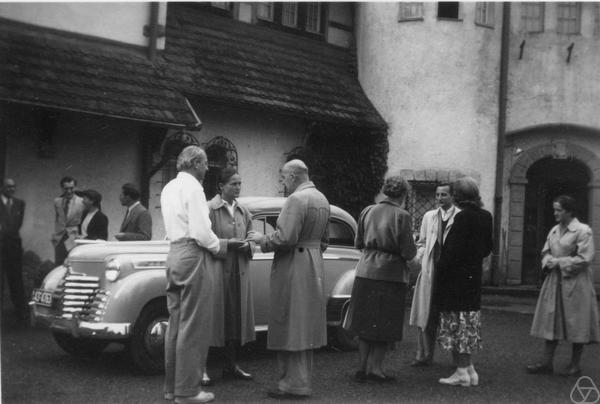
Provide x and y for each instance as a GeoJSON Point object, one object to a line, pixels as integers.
{"type": "Point", "coordinates": [81, 295]}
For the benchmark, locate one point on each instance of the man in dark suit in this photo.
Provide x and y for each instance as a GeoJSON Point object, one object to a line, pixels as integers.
{"type": "Point", "coordinates": [12, 211]}
{"type": "Point", "coordinates": [137, 224]}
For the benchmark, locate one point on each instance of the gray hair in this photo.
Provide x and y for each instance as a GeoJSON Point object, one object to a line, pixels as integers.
{"type": "Point", "coordinates": [395, 187]}
{"type": "Point", "coordinates": [297, 167]}
{"type": "Point", "coordinates": [188, 156]}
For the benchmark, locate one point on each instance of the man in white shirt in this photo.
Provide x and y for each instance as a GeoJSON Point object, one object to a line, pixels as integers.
{"type": "Point", "coordinates": [434, 228]}
{"type": "Point", "coordinates": [189, 282]}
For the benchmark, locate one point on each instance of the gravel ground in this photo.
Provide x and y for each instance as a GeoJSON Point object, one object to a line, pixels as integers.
{"type": "Point", "coordinates": [35, 370]}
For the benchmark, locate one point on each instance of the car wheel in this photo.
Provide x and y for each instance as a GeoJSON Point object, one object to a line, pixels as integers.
{"type": "Point", "coordinates": [147, 345]}
{"type": "Point", "coordinates": [345, 340]}
{"type": "Point", "coordinates": [81, 347]}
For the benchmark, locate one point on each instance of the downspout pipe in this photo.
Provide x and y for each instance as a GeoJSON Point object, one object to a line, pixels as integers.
{"type": "Point", "coordinates": [502, 102]}
{"type": "Point", "coordinates": [153, 28]}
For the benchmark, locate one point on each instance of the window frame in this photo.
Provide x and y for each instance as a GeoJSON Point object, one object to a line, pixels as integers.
{"type": "Point", "coordinates": [301, 18]}
{"type": "Point", "coordinates": [271, 9]}
{"type": "Point", "coordinates": [403, 6]}
{"type": "Point", "coordinates": [283, 5]}
{"type": "Point", "coordinates": [525, 18]}
{"type": "Point", "coordinates": [459, 17]}
{"type": "Point", "coordinates": [319, 17]}
{"type": "Point", "coordinates": [489, 20]}
{"type": "Point", "coordinates": [560, 20]}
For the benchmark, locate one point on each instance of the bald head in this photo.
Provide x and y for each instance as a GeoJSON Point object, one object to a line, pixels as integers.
{"type": "Point", "coordinates": [293, 174]}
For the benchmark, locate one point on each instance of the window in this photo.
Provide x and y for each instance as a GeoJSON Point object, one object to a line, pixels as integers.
{"type": "Point", "coordinates": [293, 17]}
{"type": "Point", "coordinates": [264, 11]}
{"type": "Point", "coordinates": [264, 225]}
{"type": "Point", "coordinates": [532, 17]}
{"type": "Point", "coordinates": [484, 14]}
{"type": "Point", "coordinates": [289, 14]}
{"type": "Point", "coordinates": [340, 233]}
{"type": "Point", "coordinates": [313, 17]}
{"type": "Point", "coordinates": [410, 11]}
{"type": "Point", "coordinates": [420, 200]}
{"type": "Point", "coordinates": [569, 18]}
{"type": "Point", "coordinates": [448, 9]}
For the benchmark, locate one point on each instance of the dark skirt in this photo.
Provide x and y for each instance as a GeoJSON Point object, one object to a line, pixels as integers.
{"type": "Point", "coordinates": [376, 310]}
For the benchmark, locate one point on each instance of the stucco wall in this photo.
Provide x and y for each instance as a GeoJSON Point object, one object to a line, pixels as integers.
{"type": "Point", "coordinates": [100, 153]}
{"type": "Point", "coordinates": [543, 87]}
{"type": "Point", "coordinates": [123, 22]}
{"type": "Point", "coordinates": [261, 140]}
{"type": "Point", "coordinates": [436, 85]}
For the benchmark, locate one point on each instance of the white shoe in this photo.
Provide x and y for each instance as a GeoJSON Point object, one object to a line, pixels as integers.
{"type": "Point", "coordinates": [202, 397]}
{"type": "Point", "coordinates": [458, 378]}
{"type": "Point", "coordinates": [473, 375]}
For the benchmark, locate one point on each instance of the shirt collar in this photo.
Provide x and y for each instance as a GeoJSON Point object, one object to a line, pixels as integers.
{"type": "Point", "coordinates": [4, 199]}
{"type": "Point", "coordinates": [304, 185]}
{"type": "Point", "coordinates": [129, 209]}
{"type": "Point", "coordinates": [574, 225]}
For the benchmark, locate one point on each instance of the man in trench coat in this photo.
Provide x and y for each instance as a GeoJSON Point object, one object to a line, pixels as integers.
{"type": "Point", "coordinates": [297, 321]}
{"type": "Point", "coordinates": [434, 228]}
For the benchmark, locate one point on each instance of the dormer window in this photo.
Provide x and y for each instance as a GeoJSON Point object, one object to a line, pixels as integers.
{"type": "Point", "coordinates": [289, 14]}
{"type": "Point", "coordinates": [292, 17]}
{"type": "Point", "coordinates": [264, 11]}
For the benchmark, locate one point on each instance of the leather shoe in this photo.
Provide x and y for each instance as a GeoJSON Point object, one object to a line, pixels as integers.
{"type": "Point", "coordinates": [284, 395]}
{"type": "Point", "coordinates": [236, 373]}
{"type": "Point", "coordinates": [539, 369]}
{"type": "Point", "coordinates": [169, 396]}
{"type": "Point", "coordinates": [420, 363]}
{"type": "Point", "coordinates": [206, 381]}
{"type": "Point", "coordinates": [202, 397]}
{"type": "Point", "coordinates": [380, 379]}
{"type": "Point", "coordinates": [571, 371]}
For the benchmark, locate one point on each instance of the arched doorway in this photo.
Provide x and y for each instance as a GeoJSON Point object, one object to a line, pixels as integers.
{"type": "Point", "coordinates": [546, 179]}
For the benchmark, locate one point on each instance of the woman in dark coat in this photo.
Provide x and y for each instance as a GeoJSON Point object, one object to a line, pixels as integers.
{"type": "Point", "coordinates": [94, 223]}
{"type": "Point", "coordinates": [458, 287]}
{"type": "Point", "coordinates": [377, 305]}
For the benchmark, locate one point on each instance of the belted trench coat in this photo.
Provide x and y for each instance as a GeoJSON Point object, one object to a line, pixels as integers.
{"type": "Point", "coordinates": [297, 318]}
{"type": "Point", "coordinates": [567, 307]}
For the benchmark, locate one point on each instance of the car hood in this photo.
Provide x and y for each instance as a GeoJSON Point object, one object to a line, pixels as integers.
{"type": "Point", "coordinates": [98, 251]}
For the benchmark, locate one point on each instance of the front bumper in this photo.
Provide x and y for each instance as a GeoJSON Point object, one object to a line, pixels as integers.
{"type": "Point", "coordinates": [77, 327]}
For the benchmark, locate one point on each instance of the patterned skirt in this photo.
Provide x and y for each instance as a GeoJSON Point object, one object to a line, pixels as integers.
{"type": "Point", "coordinates": [460, 331]}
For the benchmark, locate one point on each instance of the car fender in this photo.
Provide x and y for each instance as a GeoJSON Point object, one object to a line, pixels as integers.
{"type": "Point", "coordinates": [129, 295]}
{"type": "Point", "coordinates": [344, 284]}
{"type": "Point", "coordinates": [53, 278]}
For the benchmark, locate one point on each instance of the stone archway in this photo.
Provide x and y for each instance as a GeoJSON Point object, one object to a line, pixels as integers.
{"type": "Point", "coordinates": [518, 182]}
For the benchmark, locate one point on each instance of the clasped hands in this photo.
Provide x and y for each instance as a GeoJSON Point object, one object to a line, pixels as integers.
{"type": "Point", "coordinates": [241, 244]}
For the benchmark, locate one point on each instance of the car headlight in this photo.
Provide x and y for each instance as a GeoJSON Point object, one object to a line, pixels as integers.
{"type": "Point", "coordinates": [113, 269]}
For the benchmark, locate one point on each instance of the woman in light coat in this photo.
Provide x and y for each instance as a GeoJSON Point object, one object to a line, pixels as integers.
{"type": "Point", "coordinates": [567, 308]}
{"type": "Point", "coordinates": [233, 316]}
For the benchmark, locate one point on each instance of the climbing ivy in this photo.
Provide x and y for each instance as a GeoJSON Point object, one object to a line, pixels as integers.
{"type": "Point", "coordinates": [347, 164]}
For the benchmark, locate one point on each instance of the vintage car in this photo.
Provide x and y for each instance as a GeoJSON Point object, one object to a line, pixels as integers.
{"type": "Point", "coordinates": [115, 291]}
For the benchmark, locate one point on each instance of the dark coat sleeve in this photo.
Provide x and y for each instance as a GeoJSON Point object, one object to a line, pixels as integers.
{"type": "Point", "coordinates": [98, 227]}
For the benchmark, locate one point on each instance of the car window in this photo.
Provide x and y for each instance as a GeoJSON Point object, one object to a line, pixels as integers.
{"type": "Point", "coordinates": [340, 233]}
{"type": "Point", "coordinates": [263, 225]}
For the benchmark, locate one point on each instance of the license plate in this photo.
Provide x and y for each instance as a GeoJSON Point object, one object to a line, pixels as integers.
{"type": "Point", "coordinates": [42, 297]}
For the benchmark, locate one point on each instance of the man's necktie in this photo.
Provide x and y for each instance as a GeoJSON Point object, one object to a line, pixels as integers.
{"type": "Point", "coordinates": [124, 219]}
{"type": "Point", "coordinates": [66, 206]}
